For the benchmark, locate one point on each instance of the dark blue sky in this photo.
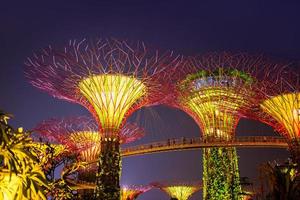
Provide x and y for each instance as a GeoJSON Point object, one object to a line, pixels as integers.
{"type": "Point", "coordinates": [254, 26]}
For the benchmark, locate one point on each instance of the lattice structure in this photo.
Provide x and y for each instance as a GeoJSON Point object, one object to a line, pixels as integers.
{"type": "Point", "coordinates": [217, 90]}
{"type": "Point", "coordinates": [280, 108]}
{"type": "Point", "coordinates": [81, 135]}
{"type": "Point", "coordinates": [179, 191]}
{"type": "Point", "coordinates": [285, 109]}
{"type": "Point", "coordinates": [132, 192]}
{"type": "Point", "coordinates": [111, 79]}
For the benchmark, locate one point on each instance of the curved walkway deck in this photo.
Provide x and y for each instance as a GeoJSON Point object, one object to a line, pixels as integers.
{"type": "Point", "coordinates": [198, 143]}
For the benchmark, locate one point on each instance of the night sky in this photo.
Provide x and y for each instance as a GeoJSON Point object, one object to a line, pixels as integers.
{"type": "Point", "coordinates": [254, 26]}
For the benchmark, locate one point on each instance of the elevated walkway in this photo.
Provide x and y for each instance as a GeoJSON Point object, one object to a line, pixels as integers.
{"type": "Point", "coordinates": [198, 143]}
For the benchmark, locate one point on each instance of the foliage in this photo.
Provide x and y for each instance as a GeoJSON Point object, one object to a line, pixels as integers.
{"type": "Point", "coordinates": [218, 73]}
{"type": "Point", "coordinates": [108, 175]}
{"type": "Point", "coordinates": [50, 157]}
{"type": "Point", "coordinates": [61, 189]}
{"type": "Point", "coordinates": [221, 175]}
{"type": "Point", "coordinates": [280, 182]}
{"type": "Point", "coordinates": [21, 175]}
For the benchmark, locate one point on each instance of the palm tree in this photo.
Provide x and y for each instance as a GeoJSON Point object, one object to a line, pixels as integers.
{"type": "Point", "coordinates": [247, 188]}
{"type": "Point", "coordinates": [282, 181]}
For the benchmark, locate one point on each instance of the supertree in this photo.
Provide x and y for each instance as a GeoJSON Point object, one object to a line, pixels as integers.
{"type": "Point", "coordinates": [217, 90]}
{"type": "Point", "coordinates": [280, 108]}
{"type": "Point", "coordinates": [81, 135]}
{"type": "Point", "coordinates": [132, 192]}
{"type": "Point", "coordinates": [127, 192]}
{"type": "Point", "coordinates": [179, 190]}
{"type": "Point", "coordinates": [111, 79]}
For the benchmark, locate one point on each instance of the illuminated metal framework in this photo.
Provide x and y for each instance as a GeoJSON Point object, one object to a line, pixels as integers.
{"type": "Point", "coordinates": [280, 108]}
{"type": "Point", "coordinates": [127, 192]}
{"type": "Point", "coordinates": [179, 191]}
{"type": "Point", "coordinates": [132, 192]}
{"type": "Point", "coordinates": [215, 93]}
{"type": "Point", "coordinates": [81, 135]}
{"type": "Point", "coordinates": [216, 90]}
{"type": "Point", "coordinates": [111, 79]}
{"type": "Point", "coordinates": [285, 109]}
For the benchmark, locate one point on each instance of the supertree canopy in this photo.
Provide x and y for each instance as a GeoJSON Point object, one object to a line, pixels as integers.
{"type": "Point", "coordinates": [179, 191]}
{"type": "Point", "coordinates": [111, 79]}
{"type": "Point", "coordinates": [132, 192]}
{"type": "Point", "coordinates": [280, 108]}
{"type": "Point", "coordinates": [81, 135]}
{"type": "Point", "coordinates": [214, 93]}
{"type": "Point", "coordinates": [216, 90]}
{"type": "Point", "coordinates": [285, 109]}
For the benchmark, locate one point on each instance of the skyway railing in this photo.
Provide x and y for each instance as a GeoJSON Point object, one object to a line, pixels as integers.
{"type": "Point", "coordinates": [198, 143]}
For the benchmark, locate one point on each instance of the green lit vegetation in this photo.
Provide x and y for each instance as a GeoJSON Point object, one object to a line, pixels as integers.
{"type": "Point", "coordinates": [221, 174]}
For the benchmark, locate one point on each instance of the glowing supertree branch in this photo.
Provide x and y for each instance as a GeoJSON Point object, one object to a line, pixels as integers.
{"type": "Point", "coordinates": [81, 135]}
{"type": "Point", "coordinates": [285, 109]}
{"type": "Point", "coordinates": [112, 96]}
{"type": "Point", "coordinates": [217, 90]}
{"type": "Point", "coordinates": [215, 93]}
{"type": "Point", "coordinates": [280, 104]}
{"type": "Point", "coordinates": [179, 191]}
{"type": "Point", "coordinates": [111, 79]}
{"type": "Point", "coordinates": [132, 192]}
{"type": "Point", "coordinates": [280, 108]}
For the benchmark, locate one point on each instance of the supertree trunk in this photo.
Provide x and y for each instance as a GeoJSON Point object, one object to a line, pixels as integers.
{"type": "Point", "coordinates": [109, 171]}
{"type": "Point", "coordinates": [220, 174]}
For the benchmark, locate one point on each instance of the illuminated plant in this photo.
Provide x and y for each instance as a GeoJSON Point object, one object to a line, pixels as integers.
{"type": "Point", "coordinates": [111, 79]}
{"type": "Point", "coordinates": [50, 156]}
{"type": "Point", "coordinates": [81, 135]}
{"type": "Point", "coordinates": [132, 192]}
{"type": "Point", "coordinates": [29, 183]}
{"type": "Point", "coordinates": [63, 188]}
{"type": "Point", "coordinates": [217, 90]}
{"type": "Point", "coordinates": [8, 189]}
{"type": "Point", "coordinates": [21, 176]}
{"type": "Point", "coordinates": [179, 191]}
